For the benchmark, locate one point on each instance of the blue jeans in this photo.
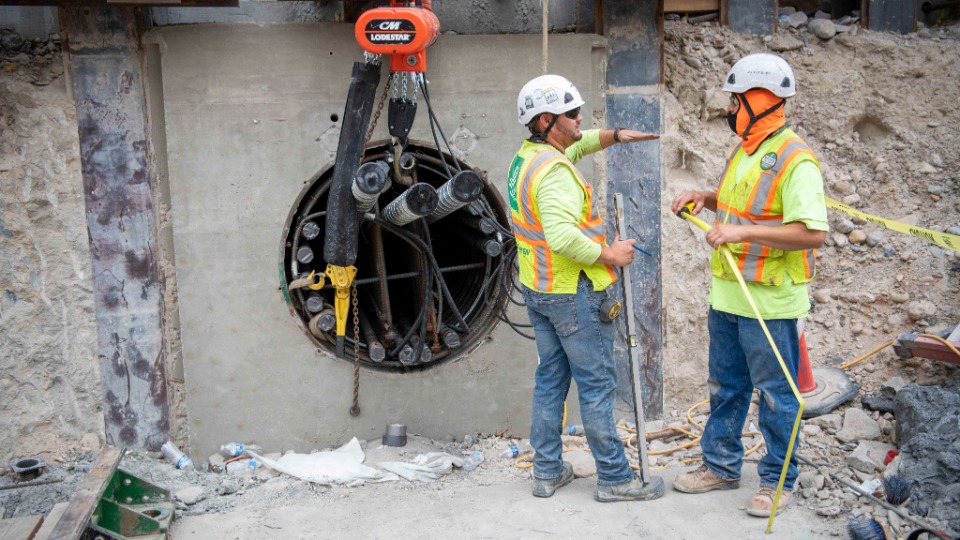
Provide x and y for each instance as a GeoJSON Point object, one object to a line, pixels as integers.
{"type": "Point", "coordinates": [741, 359]}
{"type": "Point", "coordinates": [572, 341]}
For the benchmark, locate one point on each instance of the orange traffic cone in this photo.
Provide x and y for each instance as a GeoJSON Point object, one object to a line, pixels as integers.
{"type": "Point", "coordinates": [805, 382]}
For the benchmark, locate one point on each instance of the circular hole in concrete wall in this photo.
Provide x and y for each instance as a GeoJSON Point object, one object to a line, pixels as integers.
{"type": "Point", "coordinates": [396, 303]}
{"type": "Point", "coordinates": [334, 117]}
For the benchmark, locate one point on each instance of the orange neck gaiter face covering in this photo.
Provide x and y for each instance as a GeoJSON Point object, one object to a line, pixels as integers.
{"type": "Point", "coordinates": [760, 101]}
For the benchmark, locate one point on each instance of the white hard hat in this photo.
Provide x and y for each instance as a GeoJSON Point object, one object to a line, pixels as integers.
{"type": "Point", "coordinates": [547, 93]}
{"type": "Point", "coordinates": [761, 70]}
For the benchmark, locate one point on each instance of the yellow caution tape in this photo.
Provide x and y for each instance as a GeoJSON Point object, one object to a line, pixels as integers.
{"type": "Point", "coordinates": [944, 240]}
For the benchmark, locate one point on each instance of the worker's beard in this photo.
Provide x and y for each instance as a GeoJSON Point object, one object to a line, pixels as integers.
{"type": "Point", "coordinates": [574, 132]}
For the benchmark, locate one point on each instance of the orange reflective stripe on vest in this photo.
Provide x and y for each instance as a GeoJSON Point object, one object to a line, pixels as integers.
{"type": "Point", "coordinates": [528, 228]}
{"type": "Point", "coordinates": [760, 208]}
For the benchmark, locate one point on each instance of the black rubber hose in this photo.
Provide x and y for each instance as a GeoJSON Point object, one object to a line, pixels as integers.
{"type": "Point", "coordinates": [342, 227]}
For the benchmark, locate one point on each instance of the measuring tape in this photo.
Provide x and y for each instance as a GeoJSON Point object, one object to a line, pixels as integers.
{"type": "Point", "coordinates": [942, 239]}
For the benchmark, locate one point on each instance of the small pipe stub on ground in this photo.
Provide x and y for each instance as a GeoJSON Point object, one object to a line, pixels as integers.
{"type": "Point", "coordinates": [27, 468]}
{"type": "Point", "coordinates": [396, 435]}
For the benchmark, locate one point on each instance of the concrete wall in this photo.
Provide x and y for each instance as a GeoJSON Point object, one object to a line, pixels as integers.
{"type": "Point", "coordinates": [248, 113]}
{"type": "Point", "coordinates": [31, 22]}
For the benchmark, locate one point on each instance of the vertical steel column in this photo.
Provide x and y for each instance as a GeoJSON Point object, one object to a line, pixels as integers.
{"type": "Point", "coordinates": [634, 29]}
{"type": "Point", "coordinates": [891, 15]}
{"type": "Point", "coordinates": [105, 63]}
{"type": "Point", "coordinates": [757, 17]}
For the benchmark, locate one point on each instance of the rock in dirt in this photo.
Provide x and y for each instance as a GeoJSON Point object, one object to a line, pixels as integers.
{"type": "Point", "coordinates": [822, 28]}
{"type": "Point", "coordinates": [190, 496]}
{"type": "Point", "coordinates": [868, 456]}
{"type": "Point", "coordinates": [583, 463]}
{"type": "Point", "coordinates": [858, 426]}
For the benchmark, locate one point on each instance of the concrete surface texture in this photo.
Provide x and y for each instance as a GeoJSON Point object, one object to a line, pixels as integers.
{"type": "Point", "coordinates": [506, 509]}
{"type": "Point", "coordinates": [250, 116]}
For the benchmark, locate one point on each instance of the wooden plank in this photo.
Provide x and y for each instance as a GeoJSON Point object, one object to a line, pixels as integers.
{"type": "Point", "coordinates": [21, 528]}
{"type": "Point", "coordinates": [84, 502]}
{"type": "Point", "coordinates": [50, 521]}
{"type": "Point", "coordinates": [690, 6]}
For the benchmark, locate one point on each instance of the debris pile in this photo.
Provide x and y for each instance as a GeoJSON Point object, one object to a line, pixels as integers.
{"type": "Point", "coordinates": [33, 60]}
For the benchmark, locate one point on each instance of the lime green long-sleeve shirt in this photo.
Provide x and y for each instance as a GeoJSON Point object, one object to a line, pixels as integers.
{"type": "Point", "coordinates": [560, 201]}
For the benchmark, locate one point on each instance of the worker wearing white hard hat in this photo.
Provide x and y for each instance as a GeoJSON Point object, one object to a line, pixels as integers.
{"type": "Point", "coordinates": [565, 265]}
{"type": "Point", "coordinates": [770, 213]}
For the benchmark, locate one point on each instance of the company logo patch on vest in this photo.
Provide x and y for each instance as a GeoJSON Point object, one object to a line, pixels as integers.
{"type": "Point", "coordinates": [768, 161]}
{"type": "Point", "coordinates": [390, 32]}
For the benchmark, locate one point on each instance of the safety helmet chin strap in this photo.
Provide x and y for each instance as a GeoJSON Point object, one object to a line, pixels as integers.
{"type": "Point", "coordinates": [755, 119]}
{"type": "Point", "coordinates": [541, 137]}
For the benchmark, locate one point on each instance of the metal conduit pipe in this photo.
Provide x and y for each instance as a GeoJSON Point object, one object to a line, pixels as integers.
{"type": "Point", "coordinates": [461, 190]}
{"type": "Point", "coordinates": [416, 202]}
{"type": "Point", "coordinates": [370, 181]}
{"type": "Point", "coordinates": [434, 274]}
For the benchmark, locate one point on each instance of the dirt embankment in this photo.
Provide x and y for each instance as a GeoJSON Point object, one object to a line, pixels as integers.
{"type": "Point", "coordinates": [879, 110]}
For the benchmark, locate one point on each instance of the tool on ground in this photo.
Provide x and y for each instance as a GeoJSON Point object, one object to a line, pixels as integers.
{"type": "Point", "coordinates": [687, 213]}
{"type": "Point", "coordinates": [635, 380]}
{"type": "Point", "coordinates": [610, 309]}
{"type": "Point", "coordinates": [881, 502]}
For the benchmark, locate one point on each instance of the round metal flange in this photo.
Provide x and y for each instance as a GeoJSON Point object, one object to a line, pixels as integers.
{"type": "Point", "coordinates": [28, 468]}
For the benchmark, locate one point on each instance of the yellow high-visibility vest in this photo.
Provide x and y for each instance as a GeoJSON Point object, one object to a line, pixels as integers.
{"type": "Point", "coordinates": [755, 199]}
{"type": "Point", "coordinates": [540, 268]}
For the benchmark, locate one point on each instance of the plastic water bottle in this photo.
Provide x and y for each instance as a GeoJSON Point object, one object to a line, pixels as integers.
{"type": "Point", "coordinates": [470, 462]}
{"type": "Point", "coordinates": [513, 451]}
{"type": "Point", "coordinates": [172, 453]}
{"type": "Point", "coordinates": [575, 430]}
{"type": "Point", "coordinates": [242, 466]}
{"type": "Point", "coordinates": [237, 449]}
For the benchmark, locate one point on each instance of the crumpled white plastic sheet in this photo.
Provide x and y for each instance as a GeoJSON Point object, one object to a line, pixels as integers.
{"type": "Point", "coordinates": [341, 466]}
{"type": "Point", "coordinates": [424, 467]}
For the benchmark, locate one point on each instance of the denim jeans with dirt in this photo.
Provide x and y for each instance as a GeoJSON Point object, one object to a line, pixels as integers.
{"type": "Point", "coordinates": [572, 341]}
{"type": "Point", "coordinates": [741, 359]}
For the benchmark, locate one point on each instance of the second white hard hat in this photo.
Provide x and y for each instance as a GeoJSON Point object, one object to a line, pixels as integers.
{"type": "Point", "coordinates": [761, 70]}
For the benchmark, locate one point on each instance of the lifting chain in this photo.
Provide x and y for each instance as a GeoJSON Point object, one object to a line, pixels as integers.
{"type": "Point", "coordinates": [355, 409]}
{"type": "Point", "coordinates": [376, 117]}
{"type": "Point", "coordinates": [414, 79]}
{"type": "Point", "coordinates": [403, 90]}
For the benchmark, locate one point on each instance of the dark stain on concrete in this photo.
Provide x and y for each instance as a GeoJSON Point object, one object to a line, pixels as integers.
{"type": "Point", "coordinates": [138, 265]}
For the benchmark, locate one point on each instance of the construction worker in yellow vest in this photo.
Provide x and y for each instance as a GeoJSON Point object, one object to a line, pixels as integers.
{"type": "Point", "coordinates": [770, 212]}
{"type": "Point", "coordinates": [566, 265]}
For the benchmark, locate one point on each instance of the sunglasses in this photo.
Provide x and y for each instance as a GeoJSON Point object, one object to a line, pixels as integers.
{"type": "Point", "coordinates": [734, 101]}
{"type": "Point", "coordinates": [572, 114]}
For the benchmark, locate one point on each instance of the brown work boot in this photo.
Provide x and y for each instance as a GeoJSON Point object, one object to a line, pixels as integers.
{"type": "Point", "coordinates": [546, 487]}
{"type": "Point", "coordinates": [762, 502]}
{"type": "Point", "coordinates": [702, 480]}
